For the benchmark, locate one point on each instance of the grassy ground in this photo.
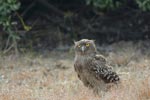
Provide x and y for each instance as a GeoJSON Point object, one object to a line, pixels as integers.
{"type": "Point", "coordinates": [52, 77]}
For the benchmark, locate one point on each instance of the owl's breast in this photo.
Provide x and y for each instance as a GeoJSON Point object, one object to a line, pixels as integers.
{"type": "Point", "coordinates": [82, 63]}
{"type": "Point", "coordinates": [79, 67]}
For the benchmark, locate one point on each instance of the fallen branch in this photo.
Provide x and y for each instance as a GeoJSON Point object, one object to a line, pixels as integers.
{"type": "Point", "coordinates": [28, 8]}
{"type": "Point", "coordinates": [51, 7]}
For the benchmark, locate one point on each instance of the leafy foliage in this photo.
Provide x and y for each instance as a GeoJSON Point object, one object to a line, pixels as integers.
{"type": "Point", "coordinates": [104, 4]}
{"type": "Point", "coordinates": [6, 9]}
{"type": "Point", "coordinates": [144, 4]}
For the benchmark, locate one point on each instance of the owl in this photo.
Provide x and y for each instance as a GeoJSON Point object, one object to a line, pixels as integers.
{"type": "Point", "coordinates": [92, 68]}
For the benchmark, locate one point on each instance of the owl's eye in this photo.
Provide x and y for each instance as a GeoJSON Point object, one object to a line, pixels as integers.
{"type": "Point", "coordinates": [87, 45]}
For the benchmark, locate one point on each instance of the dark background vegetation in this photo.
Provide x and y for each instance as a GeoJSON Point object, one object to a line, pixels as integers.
{"type": "Point", "coordinates": [49, 24]}
{"type": "Point", "coordinates": [36, 47]}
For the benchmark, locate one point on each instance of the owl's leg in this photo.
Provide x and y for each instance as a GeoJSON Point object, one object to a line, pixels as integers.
{"type": "Point", "coordinates": [79, 77]}
{"type": "Point", "coordinates": [85, 82]}
{"type": "Point", "coordinates": [88, 84]}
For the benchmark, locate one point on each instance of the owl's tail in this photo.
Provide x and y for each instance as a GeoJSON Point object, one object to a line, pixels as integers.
{"type": "Point", "coordinates": [108, 75]}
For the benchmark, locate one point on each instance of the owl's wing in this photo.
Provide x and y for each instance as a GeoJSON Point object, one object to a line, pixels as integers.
{"type": "Point", "coordinates": [100, 58]}
{"type": "Point", "coordinates": [102, 71]}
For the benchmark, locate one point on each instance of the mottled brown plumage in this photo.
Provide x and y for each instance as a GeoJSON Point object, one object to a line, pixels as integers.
{"type": "Point", "coordinates": [92, 68]}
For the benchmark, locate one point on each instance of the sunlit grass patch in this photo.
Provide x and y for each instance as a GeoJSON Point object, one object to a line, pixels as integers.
{"type": "Point", "coordinates": [52, 77]}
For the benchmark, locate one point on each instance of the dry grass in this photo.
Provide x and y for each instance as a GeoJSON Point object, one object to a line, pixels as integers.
{"type": "Point", "coordinates": [51, 77]}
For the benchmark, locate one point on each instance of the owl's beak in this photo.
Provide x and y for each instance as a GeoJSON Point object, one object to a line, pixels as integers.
{"type": "Point", "coordinates": [82, 48]}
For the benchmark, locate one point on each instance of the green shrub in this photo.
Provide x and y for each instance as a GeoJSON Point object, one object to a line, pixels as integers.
{"type": "Point", "coordinates": [144, 4]}
{"type": "Point", "coordinates": [7, 7]}
{"type": "Point", "coordinates": [103, 4]}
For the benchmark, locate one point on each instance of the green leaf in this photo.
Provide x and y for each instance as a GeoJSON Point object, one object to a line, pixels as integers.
{"type": "Point", "coordinates": [9, 1]}
{"type": "Point", "coordinates": [88, 2]}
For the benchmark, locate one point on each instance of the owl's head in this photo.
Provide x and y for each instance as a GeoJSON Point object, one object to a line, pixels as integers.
{"type": "Point", "coordinates": [85, 47]}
